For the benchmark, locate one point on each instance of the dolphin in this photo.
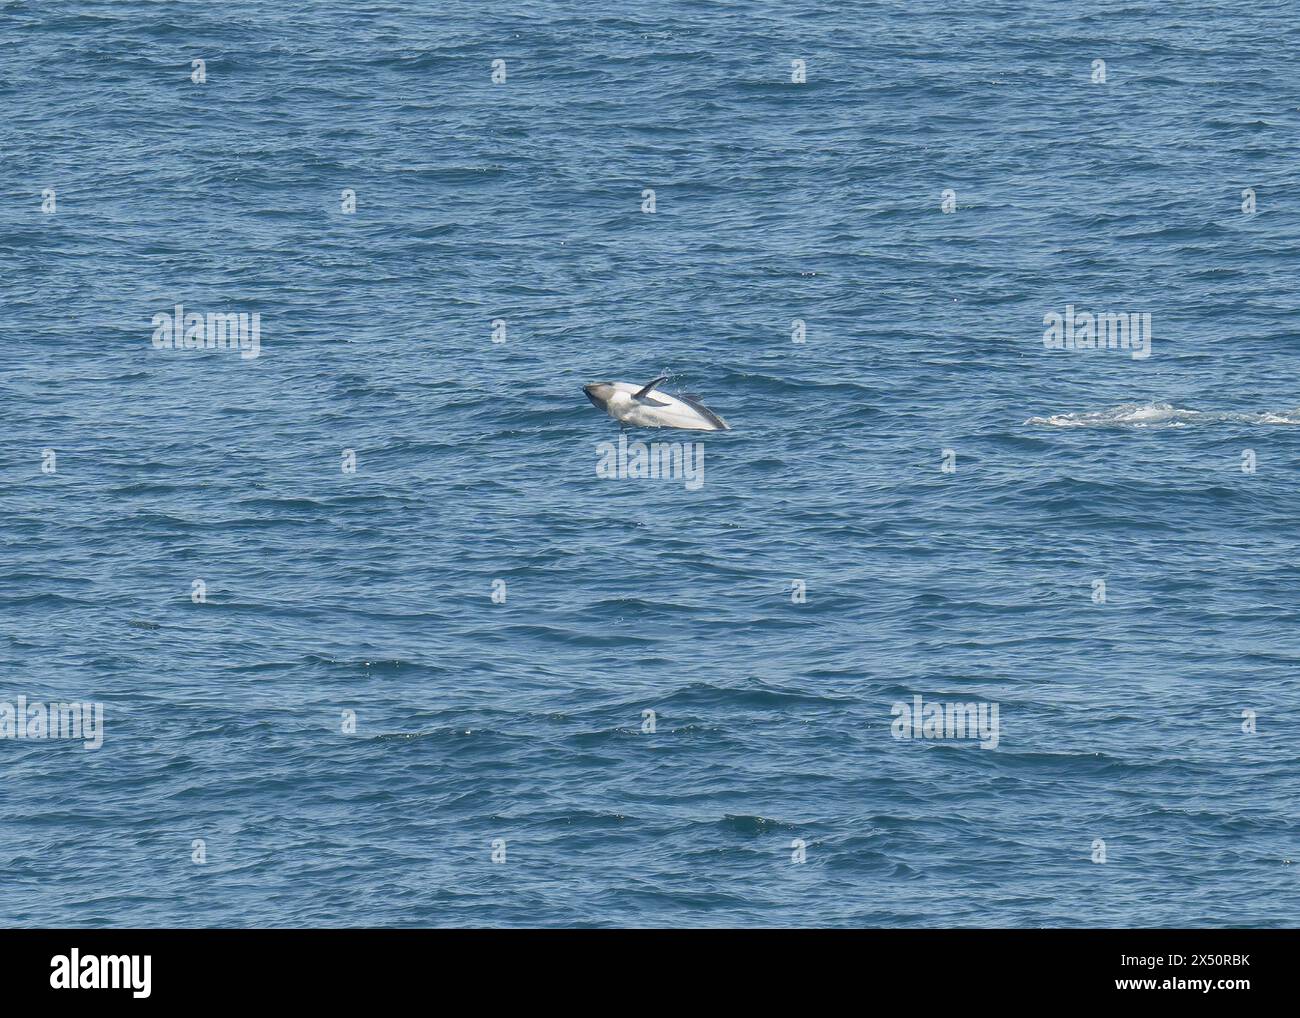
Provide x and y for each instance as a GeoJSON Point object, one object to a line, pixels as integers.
{"type": "Point", "coordinates": [641, 406]}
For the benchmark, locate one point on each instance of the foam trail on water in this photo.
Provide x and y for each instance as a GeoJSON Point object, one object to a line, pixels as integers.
{"type": "Point", "coordinates": [1158, 415]}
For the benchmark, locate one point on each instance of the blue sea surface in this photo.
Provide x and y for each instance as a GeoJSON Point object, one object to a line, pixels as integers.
{"type": "Point", "coordinates": [952, 497]}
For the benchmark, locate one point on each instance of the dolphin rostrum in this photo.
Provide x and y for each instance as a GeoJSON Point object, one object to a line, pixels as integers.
{"type": "Point", "coordinates": [641, 406]}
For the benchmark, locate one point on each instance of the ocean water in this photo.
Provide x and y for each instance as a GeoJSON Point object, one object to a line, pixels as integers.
{"type": "Point", "coordinates": [920, 499]}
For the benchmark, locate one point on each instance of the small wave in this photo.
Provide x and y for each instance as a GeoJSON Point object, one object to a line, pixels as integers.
{"type": "Point", "coordinates": [747, 823]}
{"type": "Point", "coordinates": [1159, 415]}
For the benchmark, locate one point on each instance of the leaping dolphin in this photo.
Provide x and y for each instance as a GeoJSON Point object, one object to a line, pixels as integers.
{"type": "Point", "coordinates": [641, 406]}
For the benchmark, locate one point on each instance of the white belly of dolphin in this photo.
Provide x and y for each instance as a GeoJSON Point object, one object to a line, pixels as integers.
{"type": "Point", "coordinates": [659, 410]}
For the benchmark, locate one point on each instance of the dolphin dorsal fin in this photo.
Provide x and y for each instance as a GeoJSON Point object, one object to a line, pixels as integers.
{"type": "Point", "coordinates": [645, 390]}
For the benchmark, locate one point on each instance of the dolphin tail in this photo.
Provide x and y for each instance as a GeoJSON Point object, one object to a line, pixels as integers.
{"type": "Point", "coordinates": [694, 403]}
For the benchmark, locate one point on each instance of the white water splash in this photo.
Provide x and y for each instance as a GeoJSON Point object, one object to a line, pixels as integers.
{"type": "Point", "coordinates": [1159, 415]}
